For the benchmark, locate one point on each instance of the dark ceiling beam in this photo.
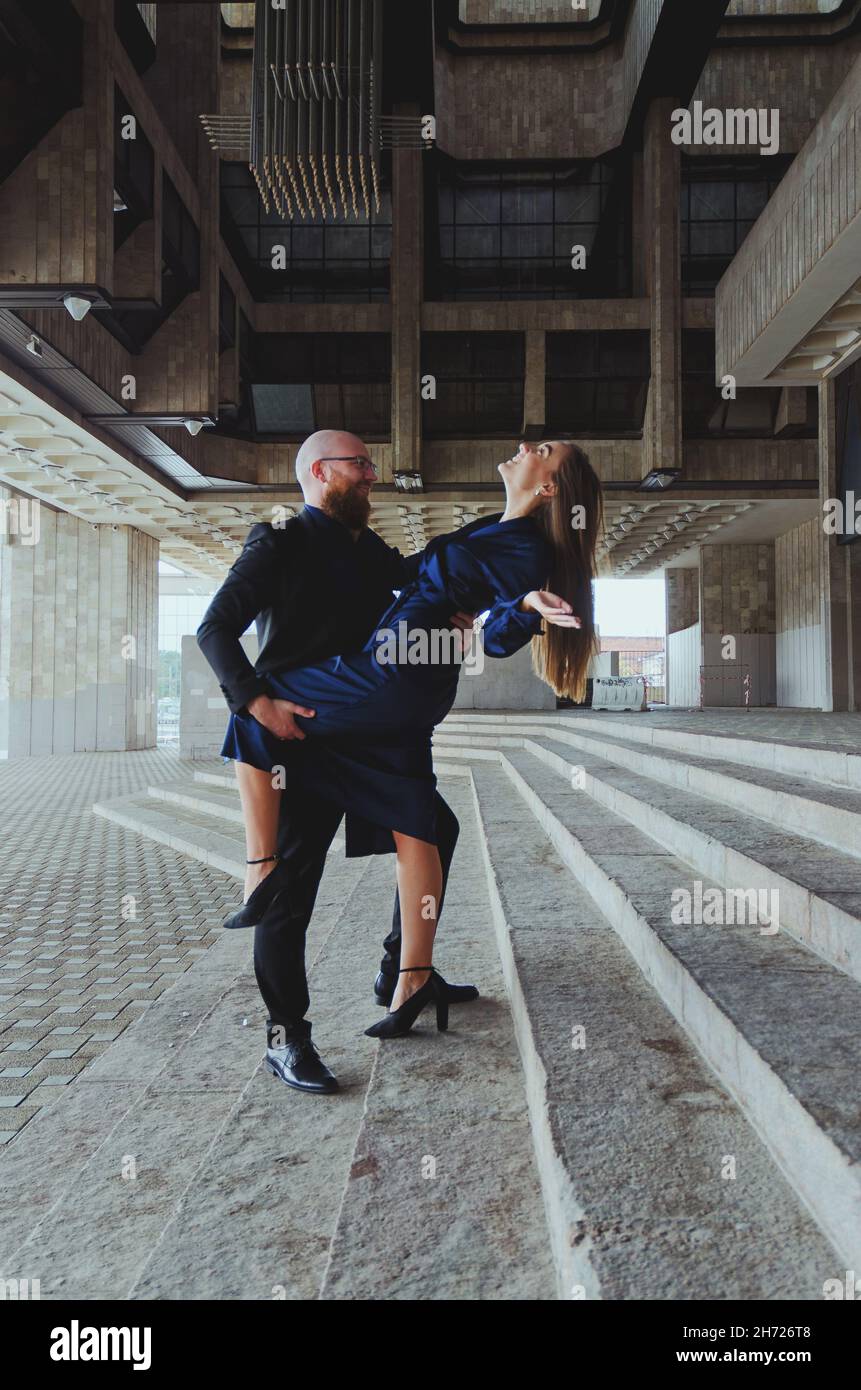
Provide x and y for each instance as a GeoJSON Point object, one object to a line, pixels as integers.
{"type": "Point", "coordinates": [684, 36]}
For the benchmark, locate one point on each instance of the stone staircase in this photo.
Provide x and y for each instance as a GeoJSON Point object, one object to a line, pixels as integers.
{"type": "Point", "coordinates": [774, 1013]}
{"type": "Point", "coordinates": [636, 1108]}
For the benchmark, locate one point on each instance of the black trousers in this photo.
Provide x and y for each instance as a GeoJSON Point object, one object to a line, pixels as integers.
{"type": "Point", "coordinates": [305, 832]}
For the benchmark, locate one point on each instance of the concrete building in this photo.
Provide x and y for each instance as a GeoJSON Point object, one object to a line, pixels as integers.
{"type": "Point", "coordinates": [636, 223]}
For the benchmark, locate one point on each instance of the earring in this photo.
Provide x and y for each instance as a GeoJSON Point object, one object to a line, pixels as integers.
{"type": "Point", "coordinates": [538, 492]}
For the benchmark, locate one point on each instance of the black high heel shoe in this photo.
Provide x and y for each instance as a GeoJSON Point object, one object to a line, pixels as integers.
{"type": "Point", "coordinates": [398, 1023]}
{"type": "Point", "coordinates": [251, 912]}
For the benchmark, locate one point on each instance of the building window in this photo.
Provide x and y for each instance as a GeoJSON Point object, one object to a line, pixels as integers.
{"type": "Point", "coordinates": [720, 201]}
{"type": "Point", "coordinates": [477, 385]}
{"type": "Point", "coordinates": [324, 262]}
{"type": "Point", "coordinates": [511, 232]}
{"type": "Point", "coordinates": [597, 383]}
{"type": "Point", "coordinates": [301, 382]}
{"type": "Point", "coordinates": [707, 415]}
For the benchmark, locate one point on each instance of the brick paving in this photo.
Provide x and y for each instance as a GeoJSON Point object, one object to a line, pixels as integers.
{"type": "Point", "coordinates": [95, 920]}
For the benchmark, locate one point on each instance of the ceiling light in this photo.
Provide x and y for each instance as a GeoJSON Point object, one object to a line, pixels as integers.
{"type": "Point", "coordinates": [78, 305]}
{"type": "Point", "coordinates": [34, 346]}
{"type": "Point", "coordinates": [193, 426]}
{"type": "Point", "coordinates": [408, 481]}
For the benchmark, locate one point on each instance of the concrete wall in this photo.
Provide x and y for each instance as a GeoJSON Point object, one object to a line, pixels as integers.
{"type": "Point", "coordinates": [476, 121]}
{"type": "Point", "coordinates": [203, 711]}
{"type": "Point", "coordinates": [78, 655]}
{"type": "Point", "coordinates": [508, 683]}
{"type": "Point", "coordinates": [800, 634]}
{"type": "Point", "coordinates": [525, 11]}
{"type": "Point", "coordinates": [754, 652]}
{"type": "Point", "coordinates": [737, 600]}
{"type": "Point", "coordinates": [684, 655]}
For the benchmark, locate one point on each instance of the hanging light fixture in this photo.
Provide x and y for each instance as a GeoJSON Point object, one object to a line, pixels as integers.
{"type": "Point", "coordinates": [315, 106]}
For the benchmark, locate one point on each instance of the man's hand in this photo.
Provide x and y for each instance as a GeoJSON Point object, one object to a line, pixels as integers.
{"type": "Point", "coordinates": [464, 623]}
{"type": "Point", "coordinates": [277, 715]}
{"type": "Point", "coordinates": [551, 608]}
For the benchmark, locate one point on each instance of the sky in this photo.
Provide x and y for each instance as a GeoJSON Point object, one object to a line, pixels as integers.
{"type": "Point", "coordinates": [630, 607]}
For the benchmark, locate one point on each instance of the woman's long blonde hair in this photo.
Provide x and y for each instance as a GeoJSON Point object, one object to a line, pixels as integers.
{"type": "Point", "coordinates": [573, 521]}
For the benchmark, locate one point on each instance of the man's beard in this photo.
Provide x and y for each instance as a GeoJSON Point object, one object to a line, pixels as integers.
{"type": "Point", "coordinates": [344, 502]}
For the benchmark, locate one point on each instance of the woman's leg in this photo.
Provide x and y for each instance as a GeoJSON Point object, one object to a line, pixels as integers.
{"type": "Point", "coordinates": [261, 803]}
{"type": "Point", "coordinates": [419, 891]}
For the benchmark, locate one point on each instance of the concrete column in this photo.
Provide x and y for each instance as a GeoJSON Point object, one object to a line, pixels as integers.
{"type": "Point", "coordinates": [792, 410]}
{"type": "Point", "coordinates": [534, 391]}
{"type": "Point", "coordinates": [79, 655]}
{"type": "Point", "coordinates": [407, 273]}
{"type": "Point", "coordinates": [662, 431]}
{"type": "Point", "coordinates": [683, 598]}
{"type": "Point", "coordinates": [836, 607]}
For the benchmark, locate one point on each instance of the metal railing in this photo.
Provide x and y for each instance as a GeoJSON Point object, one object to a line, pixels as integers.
{"type": "Point", "coordinates": [652, 666]}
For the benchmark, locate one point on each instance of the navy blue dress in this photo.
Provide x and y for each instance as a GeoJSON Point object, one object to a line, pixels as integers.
{"type": "Point", "coordinates": [368, 747]}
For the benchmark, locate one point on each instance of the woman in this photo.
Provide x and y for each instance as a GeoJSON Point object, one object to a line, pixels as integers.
{"type": "Point", "coordinates": [369, 744]}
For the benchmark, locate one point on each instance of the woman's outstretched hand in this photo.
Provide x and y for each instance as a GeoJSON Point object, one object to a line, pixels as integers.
{"type": "Point", "coordinates": [551, 608]}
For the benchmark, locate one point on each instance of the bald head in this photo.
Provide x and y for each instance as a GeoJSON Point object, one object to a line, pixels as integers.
{"type": "Point", "coordinates": [323, 444]}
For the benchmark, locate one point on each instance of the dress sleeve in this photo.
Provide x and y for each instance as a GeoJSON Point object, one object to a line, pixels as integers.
{"type": "Point", "coordinates": [486, 573]}
{"type": "Point", "coordinates": [506, 629]}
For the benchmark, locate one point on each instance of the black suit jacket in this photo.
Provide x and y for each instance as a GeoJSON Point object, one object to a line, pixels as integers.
{"type": "Point", "coordinates": [314, 592]}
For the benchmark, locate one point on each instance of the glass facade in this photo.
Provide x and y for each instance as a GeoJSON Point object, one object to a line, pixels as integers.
{"type": "Point", "coordinates": [597, 383]}
{"type": "Point", "coordinates": [477, 384]}
{"type": "Point", "coordinates": [706, 414]}
{"type": "Point", "coordinates": [333, 262]}
{"type": "Point", "coordinates": [720, 201]}
{"type": "Point", "coordinates": [512, 232]}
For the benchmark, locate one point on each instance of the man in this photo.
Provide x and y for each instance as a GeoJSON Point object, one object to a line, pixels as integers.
{"type": "Point", "coordinates": [317, 586]}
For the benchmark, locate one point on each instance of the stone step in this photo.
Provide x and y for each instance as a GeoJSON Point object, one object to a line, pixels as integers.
{"type": "Point", "coordinates": [173, 818]}
{"type": "Point", "coordinates": [778, 1025]}
{"type": "Point", "coordinates": [220, 802]}
{"type": "Point", "coordinates": [656, 1186]}
{"type": "Point", "coordinates": [444, 1199]}
{"type": "Point", "coordinates": [819, 889]}
{"type": "Point", "coordinates": [216, 779]}
{"type": "Point", "coordinates": [828, 765]}
{"type": "Point", "coordinates": [235, 1185]}
{"type": "Point", "coordinates": [830, 815]}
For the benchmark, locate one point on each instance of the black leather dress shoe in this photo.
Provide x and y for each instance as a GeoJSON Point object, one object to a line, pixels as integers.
{"type": "Point", "coordinates": [385, 985]}
{"type": "Point", "coordinates": [300, 1065]}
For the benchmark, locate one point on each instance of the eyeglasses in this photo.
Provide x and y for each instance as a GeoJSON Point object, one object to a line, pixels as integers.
{"type": "Point", "coordinates": [357, 460]}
